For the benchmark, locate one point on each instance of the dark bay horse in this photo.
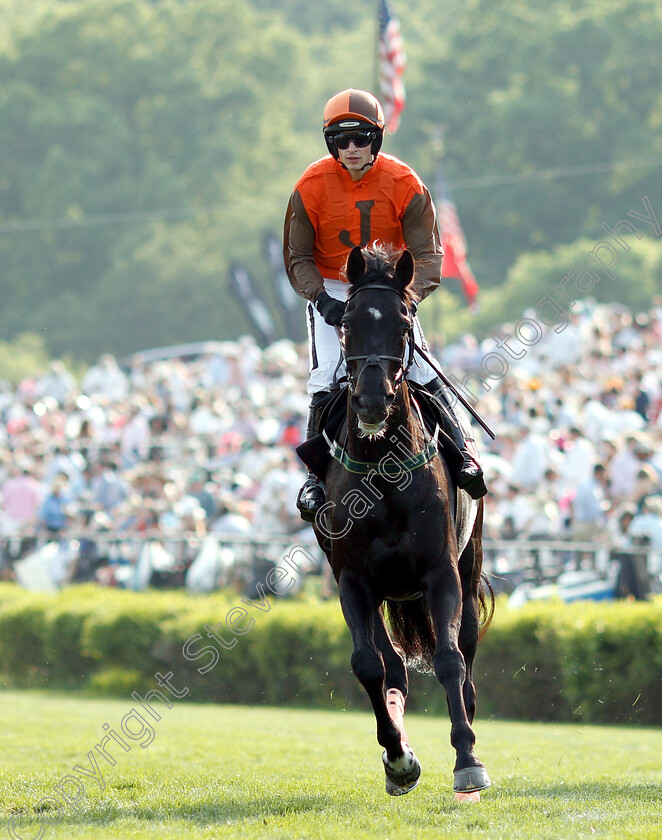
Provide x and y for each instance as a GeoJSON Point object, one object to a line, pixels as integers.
{"type": "Point", "coordinates": [397, 532]}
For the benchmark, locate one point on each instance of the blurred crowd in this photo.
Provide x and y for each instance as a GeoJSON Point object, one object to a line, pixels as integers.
{"type": "Point", "coordinates": [200, 444]}
{"type": "Point", "coordinates": [578, 416]}
{"type": "Point", "coordinates": [163, 448]}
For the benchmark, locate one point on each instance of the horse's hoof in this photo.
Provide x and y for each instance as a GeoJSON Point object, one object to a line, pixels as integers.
{"type": "Point", "coordinates": [470, 779]}
{"type": "Point", "coordinates": [394, 789]}
{"type": "Point", "coordinates": [402, 775]}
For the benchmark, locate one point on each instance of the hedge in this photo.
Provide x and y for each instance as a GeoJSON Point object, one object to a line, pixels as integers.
{"type": "Point", "coordinates": [595, 661]}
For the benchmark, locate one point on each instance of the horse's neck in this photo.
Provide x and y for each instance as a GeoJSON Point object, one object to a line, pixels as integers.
{"type": "Point", "coordinates": [402, 434]}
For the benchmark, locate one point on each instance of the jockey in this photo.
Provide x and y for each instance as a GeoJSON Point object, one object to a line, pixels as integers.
{"type": "Point", "coordinates": [357, 195]}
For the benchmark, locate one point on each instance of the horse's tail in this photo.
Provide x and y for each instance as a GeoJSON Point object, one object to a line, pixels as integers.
{"type": "Point", "coordinates": [485, 605]}
{"type": "Point", "coordinates": [411, 629]}
{"type": "Point", "coordinates": [410, 622]}
{"type": "Point", "coordinates": [480, 582]}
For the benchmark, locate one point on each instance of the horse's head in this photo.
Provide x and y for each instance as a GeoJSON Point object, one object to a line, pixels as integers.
{"type": "Point", "coordinates": [377, 324]}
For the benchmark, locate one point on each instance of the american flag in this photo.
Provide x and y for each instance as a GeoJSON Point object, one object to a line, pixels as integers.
{"type": "Point", "coordinates": [455, 250]}
{"type": "Point", "coordinates": [392, 63]}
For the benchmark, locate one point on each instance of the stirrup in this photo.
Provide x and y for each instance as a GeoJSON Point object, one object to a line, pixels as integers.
{"type": "Point", "coordinates": [311, 498]}
{"type": "Point", "coordinates": [471, 479]}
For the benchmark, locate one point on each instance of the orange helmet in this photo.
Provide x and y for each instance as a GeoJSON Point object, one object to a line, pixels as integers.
{"type": "Point", "coordinates": [353, 110]}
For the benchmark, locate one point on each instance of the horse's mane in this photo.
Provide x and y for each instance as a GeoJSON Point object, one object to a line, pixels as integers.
{"type": "Point", "coordinates": [380, 261]}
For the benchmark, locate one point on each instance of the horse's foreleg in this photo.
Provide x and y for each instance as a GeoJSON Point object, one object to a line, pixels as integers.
{"type": "Point", "coordinates": [363, 620]}
{"type": "Point", "coordinates": [444, 595]}
{"type": "Point", "coordinates": [367, 662]}
{"type": "Point", "coordinates": [396, 683]}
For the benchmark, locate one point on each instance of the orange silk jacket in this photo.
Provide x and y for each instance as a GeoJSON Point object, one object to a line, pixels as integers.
{"type": "Point", "coordinates": [329, 213]}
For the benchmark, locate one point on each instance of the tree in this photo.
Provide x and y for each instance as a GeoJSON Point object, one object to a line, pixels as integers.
{"type": "Point", "coordinates": [552, 281]}
{"type": "Point", "coordinates": [130, 109]}
{"type": "Point", "coordinates": [521, 88]}
{"type": "Point", "coordinates": [148, 144]}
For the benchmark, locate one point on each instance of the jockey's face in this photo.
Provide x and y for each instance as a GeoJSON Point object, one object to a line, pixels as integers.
{"type": "Point", "coordinates": [354, 159]}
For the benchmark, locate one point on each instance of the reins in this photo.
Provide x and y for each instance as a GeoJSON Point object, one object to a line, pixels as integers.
{"type": "Point", "coordinates": [339, 452]}
{"type": "Point", "coordinates": [375, 360]}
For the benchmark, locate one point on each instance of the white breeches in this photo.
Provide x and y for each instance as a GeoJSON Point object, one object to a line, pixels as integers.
{"type": "Point", "coordinates": [324, 349]}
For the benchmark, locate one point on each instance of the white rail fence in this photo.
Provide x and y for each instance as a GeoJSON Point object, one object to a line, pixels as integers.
{"type": "Point", "coordinates": [138, 559]}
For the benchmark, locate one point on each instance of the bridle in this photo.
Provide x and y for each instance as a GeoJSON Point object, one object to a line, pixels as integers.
{"type": "Point", "coordinates": [378, 359]}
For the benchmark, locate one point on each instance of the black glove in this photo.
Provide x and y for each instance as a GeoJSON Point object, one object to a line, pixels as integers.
{"type": "Point", "coordinates": [330, 309]}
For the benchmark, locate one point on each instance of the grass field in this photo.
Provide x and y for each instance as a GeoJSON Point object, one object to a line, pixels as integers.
{"type": "Point", "coordinates": [236, 772]}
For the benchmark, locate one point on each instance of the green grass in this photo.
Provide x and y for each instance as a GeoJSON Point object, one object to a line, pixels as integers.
{"type": "Point", "coordinates": [236, 772]}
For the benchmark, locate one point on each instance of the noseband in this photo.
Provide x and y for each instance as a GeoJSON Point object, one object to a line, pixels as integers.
{"type": "Point", "coordinates": [378, 359]}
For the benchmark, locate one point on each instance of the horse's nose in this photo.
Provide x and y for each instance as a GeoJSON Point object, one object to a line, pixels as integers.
{"type": "Point", "coordinates": [357, 403]}
{"type": "Point", "coordinates": [371, 405]}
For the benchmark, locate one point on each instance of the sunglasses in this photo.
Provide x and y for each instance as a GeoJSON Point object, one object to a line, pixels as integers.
{"type": "Point", "coordinates": [360, 139]}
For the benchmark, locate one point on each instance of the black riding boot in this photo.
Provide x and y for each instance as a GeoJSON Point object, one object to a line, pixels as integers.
{"type": "Point", "coordinates": [470, 475]}
{"type": "Point", "coordinates": [311, 496]}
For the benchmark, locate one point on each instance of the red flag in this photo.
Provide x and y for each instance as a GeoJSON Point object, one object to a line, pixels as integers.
{"type": "Point", "coordinates": [392, 63]}
{"type": "Point", "coordinates": [455, 250]}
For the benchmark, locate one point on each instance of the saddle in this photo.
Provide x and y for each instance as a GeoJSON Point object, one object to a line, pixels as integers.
{"type": "Point", "coordinates": [316, 453]}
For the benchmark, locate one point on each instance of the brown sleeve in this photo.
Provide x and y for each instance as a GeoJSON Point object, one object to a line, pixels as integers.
{"type": "Point", "coordinates": [421, 234]}
{"type": "Point", "coordinates": [298, 240]}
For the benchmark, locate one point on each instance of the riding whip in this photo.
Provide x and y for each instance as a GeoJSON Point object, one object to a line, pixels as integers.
{"type": "Point", "coordinates": [454, 390]}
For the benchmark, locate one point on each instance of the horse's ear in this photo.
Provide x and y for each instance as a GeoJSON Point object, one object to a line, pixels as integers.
{"type": "Point", "coordinates": [355, 265]}
{"type": "Point", "coordinates": [404, 269]}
